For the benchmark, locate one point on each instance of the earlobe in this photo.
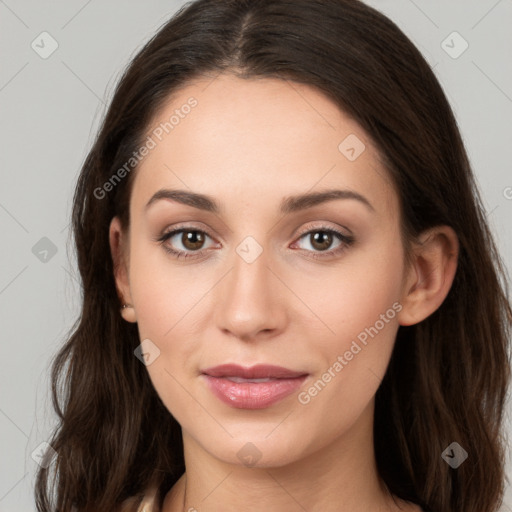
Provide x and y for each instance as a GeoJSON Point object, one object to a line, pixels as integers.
{"type": "Point", "coordinates": [118, 251]}
{"type": "Point", "coordinates": [431, 274]}
{"type": "Point", "coordinates": [128, 313]}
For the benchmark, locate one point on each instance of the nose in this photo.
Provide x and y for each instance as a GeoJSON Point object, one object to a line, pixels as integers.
{"type": "Point", "coordinates": [251, 301]}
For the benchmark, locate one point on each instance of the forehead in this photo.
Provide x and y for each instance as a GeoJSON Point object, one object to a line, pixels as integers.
{"type": "Point", "coordinates": [247, 139]}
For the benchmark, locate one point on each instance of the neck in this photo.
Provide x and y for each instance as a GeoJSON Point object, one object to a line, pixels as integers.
{"type": "Point", "coordinates": [338, 476]}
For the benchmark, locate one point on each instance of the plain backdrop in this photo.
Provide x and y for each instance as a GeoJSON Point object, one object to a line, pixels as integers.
{"type": "Point", "coordinates": [51, 106]}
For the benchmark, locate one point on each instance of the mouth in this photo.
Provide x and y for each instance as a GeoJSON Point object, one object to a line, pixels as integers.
{"type": "Point", "coordinates": [256, 387]}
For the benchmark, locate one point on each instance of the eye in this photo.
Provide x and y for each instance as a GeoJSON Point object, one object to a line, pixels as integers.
{"type": "Point", "coordinates": [190, 238]}
{"type": "Point", "coordinates": [321, 238]}
{"type": "Point", "coordinates": [192, 241]}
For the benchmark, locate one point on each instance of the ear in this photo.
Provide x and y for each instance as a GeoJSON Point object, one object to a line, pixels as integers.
{"type": "Point", "coordinates": [430, 275]}
{"type": "Point", "coordinates": [119, 248]}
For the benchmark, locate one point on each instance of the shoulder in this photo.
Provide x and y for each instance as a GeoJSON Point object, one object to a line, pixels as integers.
{"type": "Point", "coordinates": [145, 503]}
{"type": "Point", "coordinates": [148, 504]}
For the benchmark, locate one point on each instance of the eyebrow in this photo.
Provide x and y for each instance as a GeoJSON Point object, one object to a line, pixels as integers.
{"type": "Point", "coordinates": [288, 205]}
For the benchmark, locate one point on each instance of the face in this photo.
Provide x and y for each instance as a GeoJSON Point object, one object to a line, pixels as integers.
{"type": "Point", "coordinates": [314, 287]}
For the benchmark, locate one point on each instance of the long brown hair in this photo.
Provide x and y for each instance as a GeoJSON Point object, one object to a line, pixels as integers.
{"type": "Point", "coordinates": [448, 376]}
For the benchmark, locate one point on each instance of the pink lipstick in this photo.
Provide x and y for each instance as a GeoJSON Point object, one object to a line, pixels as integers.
{"type": "Point", "coordinates": [253, 387]}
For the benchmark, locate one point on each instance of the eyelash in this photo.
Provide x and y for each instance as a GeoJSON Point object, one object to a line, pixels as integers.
{"type": "Point", "coordinates": [347, 241]}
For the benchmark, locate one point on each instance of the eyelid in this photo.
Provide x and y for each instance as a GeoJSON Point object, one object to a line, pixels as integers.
{"type": "Point", "coordinates": [184, 226]}
{"type": "Point", "coordinates": [324, 224]}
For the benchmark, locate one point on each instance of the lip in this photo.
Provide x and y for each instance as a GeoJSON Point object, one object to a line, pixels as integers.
{"type": "Point", "coordinates": [259, 371]}
{"type": "Point", "coordinates": [252, 395]}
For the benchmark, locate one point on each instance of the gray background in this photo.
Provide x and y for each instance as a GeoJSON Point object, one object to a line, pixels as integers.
{"type": "Point", "coordinates": [50, 110]}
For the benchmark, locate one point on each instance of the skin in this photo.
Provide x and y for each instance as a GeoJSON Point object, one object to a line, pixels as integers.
{"type": "Point", "coordinates": [249, 144]}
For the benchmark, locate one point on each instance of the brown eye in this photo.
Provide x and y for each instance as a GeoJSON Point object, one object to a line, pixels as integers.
{"type": "Point", "coordinates": [321, 239]}
{"type": "Point", "coordinates": [184, 243]}
{"type": "Point", "coordinates": [192, 240]}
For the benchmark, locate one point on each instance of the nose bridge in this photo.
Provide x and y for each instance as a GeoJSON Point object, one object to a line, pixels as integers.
{"type": "Point", "coordinates": [247, 300]}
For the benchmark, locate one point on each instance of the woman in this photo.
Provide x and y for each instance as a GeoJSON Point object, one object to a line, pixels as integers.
{"type": "Point", "coordinates": [292, 300]}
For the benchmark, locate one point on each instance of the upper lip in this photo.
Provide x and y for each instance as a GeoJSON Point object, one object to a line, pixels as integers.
{"type": "Point", "coordinates": [259, 371]}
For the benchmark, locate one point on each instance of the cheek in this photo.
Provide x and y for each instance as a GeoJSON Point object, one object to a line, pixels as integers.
{"type": "Point", "coordinates": [359, 305]}
{"type": "Point", "coordinates": [166, 294]}
{"type": "Point", "coordinates": [347, 300]}
{"type": "Point", "coordinates": [166, 305]}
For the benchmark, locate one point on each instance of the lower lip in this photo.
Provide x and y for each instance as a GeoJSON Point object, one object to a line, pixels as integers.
{"type": "Point", "coordinates": [253, 395]}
